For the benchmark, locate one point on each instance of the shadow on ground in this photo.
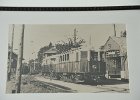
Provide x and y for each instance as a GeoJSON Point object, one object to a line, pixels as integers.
{"type": "Point", "coordinates": [105, 82]}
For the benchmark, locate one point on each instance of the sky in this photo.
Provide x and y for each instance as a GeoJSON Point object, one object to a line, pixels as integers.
{"type": "Point", "coordinates": [39, 35]}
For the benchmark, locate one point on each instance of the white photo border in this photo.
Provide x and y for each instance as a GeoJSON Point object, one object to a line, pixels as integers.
{"type": "Point", "coordinates": [128, 17]}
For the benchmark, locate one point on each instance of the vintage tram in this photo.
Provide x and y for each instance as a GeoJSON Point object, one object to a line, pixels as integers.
{"type": "Point", "coordinates": [74, 65]}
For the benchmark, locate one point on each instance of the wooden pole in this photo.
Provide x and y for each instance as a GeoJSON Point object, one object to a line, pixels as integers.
{"type": "Point", "coordinates": [19, 63]}
{"type": "Point", "coordinates": [99, 59]}
{"type": "Point", "coordinates": [114, 30]}
{"type": "Point", "coordinates": [75, 36]}
{"type": "Point", "coordinates": [10, 56]}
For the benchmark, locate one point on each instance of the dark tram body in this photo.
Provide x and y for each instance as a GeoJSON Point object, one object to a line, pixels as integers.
{"type": "Point", "coordinates": [74, 65]}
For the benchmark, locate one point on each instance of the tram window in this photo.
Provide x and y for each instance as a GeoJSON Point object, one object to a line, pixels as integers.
{"type": "Point", "coordinates": [67, 56]}
{"type": "Point", "coordinates": [83, 54]}
{"type": "Point", "coordinates": [102, 59]}
{"type": "Point", "coordinates": [60, 58]}
{"type": "Point", "coordinates": [77, 56]}
{"type": "Point", "coordinates": [63, 57]}
{"type": "Point", "coordinates": [95, 56]}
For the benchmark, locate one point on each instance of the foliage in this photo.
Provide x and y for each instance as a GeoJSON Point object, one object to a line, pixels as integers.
{"type": "Point", "coordinates": [65, 46]}
{"type": "Point", "coordinates": [72, 42]}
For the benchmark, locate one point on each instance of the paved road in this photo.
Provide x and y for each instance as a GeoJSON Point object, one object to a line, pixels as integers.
{"type": "Point", "coordinates": [118, 87]}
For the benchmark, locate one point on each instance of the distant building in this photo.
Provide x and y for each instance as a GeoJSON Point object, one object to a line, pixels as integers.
{"type": "Point", "coordinates": [34, 66]}
{"type": "Point", "coordinates": [114, 53]}
{"type": "Point", "coordinates": [48, 53]}
{"type": "Point", "coordinates": [25, 68]}
{"type": "Point", "coordinates": [13, 61]}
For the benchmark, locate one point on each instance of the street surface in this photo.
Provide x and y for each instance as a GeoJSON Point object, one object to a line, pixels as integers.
{"type": "Point", "coordinates": [116, 86]}
{"type": "Point", "coordinates": [28, 86]}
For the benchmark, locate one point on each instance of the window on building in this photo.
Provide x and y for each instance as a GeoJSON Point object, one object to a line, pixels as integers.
{"type": "Point", "coordinates": [109, 46]}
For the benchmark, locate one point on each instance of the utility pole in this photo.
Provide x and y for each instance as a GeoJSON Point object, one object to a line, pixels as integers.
{"type": "Point", "coordinates": [34, 66]}
{"type": "Point", "coordinates": [34, 62]}
{"type": "Point", "coordinates": [99, 61]}
{"type": "Point", "coordinates": [10, 56]}
{"type": "Point", "coordinates": [19, 63]}
{"type": "Point", "coordinates": [114, 30]}
{"type": "Point", "coordinates": [90, 40]}
{"type": "Point", "coordinates": [75, 31]}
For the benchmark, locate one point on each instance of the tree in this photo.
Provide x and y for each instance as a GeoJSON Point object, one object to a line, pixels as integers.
{"type": "Point", "coordinates": [50, 45]}
{"type": "Point", "coordinates": [73, 42]}
{"type": "Point", "coordinates": [62, 46]}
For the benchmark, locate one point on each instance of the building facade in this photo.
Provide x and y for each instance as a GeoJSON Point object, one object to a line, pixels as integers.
{"type": "Point", "coordinates": [115, 56]}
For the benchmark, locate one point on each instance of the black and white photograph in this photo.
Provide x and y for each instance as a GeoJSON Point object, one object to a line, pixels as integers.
{"type": "Point", "coordinates": [67, 58]}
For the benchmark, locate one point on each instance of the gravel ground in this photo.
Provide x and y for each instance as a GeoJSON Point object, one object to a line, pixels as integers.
{"type": "Point", "coordinates": [110, 86]}
{"type": "Point", "coordinates": [27, 87]}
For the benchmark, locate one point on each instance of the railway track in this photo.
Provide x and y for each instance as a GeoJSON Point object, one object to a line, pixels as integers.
{"type": "Point", "coordinates": [52, 87]}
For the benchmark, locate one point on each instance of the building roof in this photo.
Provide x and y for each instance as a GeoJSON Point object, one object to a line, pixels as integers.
{"type": "Point", "coordinates": [51, 50]}
{"type": "Point", "coordinates": [121, 41]}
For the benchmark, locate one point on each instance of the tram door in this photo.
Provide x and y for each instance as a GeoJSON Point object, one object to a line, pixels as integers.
{"type": "Point", "coordinates": [113, 65]}
{"type": "Point", "coordinates": [94, 61]}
